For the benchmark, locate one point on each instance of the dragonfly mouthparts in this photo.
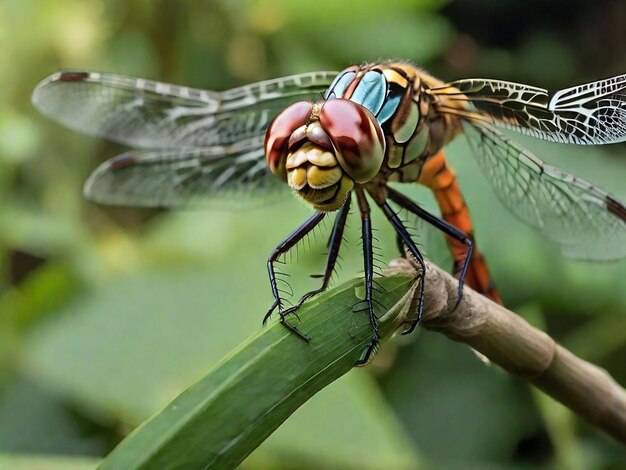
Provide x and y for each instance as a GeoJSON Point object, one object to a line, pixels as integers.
{"type": "Point", "coordinates": [315, 174]}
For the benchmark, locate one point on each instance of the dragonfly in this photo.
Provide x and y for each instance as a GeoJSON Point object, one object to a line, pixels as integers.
{"type": "Point", "coordinates": [338, 137]}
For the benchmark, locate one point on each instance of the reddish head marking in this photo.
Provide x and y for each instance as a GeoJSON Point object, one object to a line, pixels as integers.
{"type": "Point", "coordinates": [356, 136]}
{"type": "Point", "coordinates": [279, 132]}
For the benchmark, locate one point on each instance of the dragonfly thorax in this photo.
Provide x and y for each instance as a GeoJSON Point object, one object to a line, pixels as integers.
{"type": "Point", "coordinates": [322, 150]}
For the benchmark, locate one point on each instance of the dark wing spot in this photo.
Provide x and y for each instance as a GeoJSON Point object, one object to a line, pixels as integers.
{"type": "Point", "coordinates": [73, 76]}
{"type": "Point", "coordinates": [122, 161]}
{"type": "Point", "coordinates": [616, 207]}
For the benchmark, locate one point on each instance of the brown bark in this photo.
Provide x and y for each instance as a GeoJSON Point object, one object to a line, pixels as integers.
{"type": "Point", "coordinates": [509, 341]}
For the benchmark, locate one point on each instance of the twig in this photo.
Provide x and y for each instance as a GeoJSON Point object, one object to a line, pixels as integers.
{"type": "Point", "coordinates": [507, 340]}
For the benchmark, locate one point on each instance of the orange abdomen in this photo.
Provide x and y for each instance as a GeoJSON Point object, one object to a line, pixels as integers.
{"type": "Point", "coordinates": [441, 179]}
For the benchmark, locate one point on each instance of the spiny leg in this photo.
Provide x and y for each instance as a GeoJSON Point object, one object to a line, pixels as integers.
{"type": "Point", "coordinates": [334, 243]}
{"type": "Point", "coordinates": [442, 225]}
{"type": "Point", "coordinates": [282, 248]}
{"type": "Point", "coordinates": [410, 244]}
{"type": "Point", "coordinates": [400, 245]}
{"type": "Point", "coordinates": [368, 264]}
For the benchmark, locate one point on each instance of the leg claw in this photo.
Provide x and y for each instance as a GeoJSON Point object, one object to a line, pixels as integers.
{"type": "Point", "coordinates": [290, 311]}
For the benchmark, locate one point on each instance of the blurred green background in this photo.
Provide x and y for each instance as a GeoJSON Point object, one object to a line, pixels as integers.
{"type": "Point", "coordinates": [106, 314]}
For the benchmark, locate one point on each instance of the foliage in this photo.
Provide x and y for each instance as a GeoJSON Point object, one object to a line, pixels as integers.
{"type": "Point", "coordinates": [108, 313]}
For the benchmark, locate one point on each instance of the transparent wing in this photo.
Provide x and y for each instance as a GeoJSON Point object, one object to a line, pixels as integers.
{"type": "Point", "coordinates": [231, 174]}
{"type": "Point", "coordinates": [585, 221]}
{"type": "Point", "coordinates": [147, 114]}
{"type": "Point", "coordinates": [593, 113]}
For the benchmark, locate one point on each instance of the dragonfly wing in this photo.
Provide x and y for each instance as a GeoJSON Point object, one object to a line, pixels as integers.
{"type": "Point", "coordinates": [585, 221]}
{"type": "Point", "coordinates": [232, 175]}
{"type": "Point", "coordinates": [147, 114]}
{"type": "Point", "coordinates": [589, 114]}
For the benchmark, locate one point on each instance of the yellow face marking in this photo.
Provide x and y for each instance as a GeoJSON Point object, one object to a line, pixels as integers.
{"type": "Point", "coordinates": [297, 178]}
{"type": "Point", "coordinates": [394, 77]}
{"type": "Point", "coordinates": [345, 186]}
{"type": "Point", "coordinates": [319, 178]}
{"type": "Point", "coordinates": [310, 153]}
{"type": "Point", "coordinates": [294, 160]}
{"type": "Point", "coordinates": [321, 158]}
{"type": "Point", "coordinates": [319, 195]}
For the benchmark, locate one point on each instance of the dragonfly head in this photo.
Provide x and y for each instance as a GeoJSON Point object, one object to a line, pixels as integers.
{"type": "Point", "coordinates": [321, 150]}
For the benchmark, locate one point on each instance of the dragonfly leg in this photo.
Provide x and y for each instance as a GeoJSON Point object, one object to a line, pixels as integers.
{"type": "Point", "coordinates": [447, 228]}
{"type": "Point", "coordinates": [334, 243]}
{"type": "Point", "coordinates": [410, 244]}
{"type": "Point", "coordinates": [283, 247]}
{"type": "Point", "coordinates": [400, 245]}
{"type": "Point", "coordinates": [368, 263]}
{"type": "Point", "coordinates": [442, 181]}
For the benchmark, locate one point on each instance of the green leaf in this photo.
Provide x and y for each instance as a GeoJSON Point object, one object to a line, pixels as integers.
{"type": "Point", "coordinates": [126, 349]}
{"type": "Point", "coordinates": [346, 425]}
{"type": "Point", "coordinates": [217, 422]}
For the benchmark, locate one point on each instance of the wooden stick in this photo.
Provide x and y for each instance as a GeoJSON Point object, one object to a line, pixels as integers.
{"type": "Point", "coordinates": [509, 341]}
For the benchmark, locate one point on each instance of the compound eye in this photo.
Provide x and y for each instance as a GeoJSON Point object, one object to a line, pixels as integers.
{"type": "Point", "coordinates": [356, 136]}
{"type": "Point", "coordinates": [339, 85]}
{"type": "Point", "coordinates": [278, 134]}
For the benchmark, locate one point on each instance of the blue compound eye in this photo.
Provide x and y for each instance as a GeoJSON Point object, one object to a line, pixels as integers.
{"type": "Point", "coordinates": [371, 91]}
{"type": "Point", "coordinates": [391, 103]}
{"type": "Point", "coordinates": [339, 85]}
